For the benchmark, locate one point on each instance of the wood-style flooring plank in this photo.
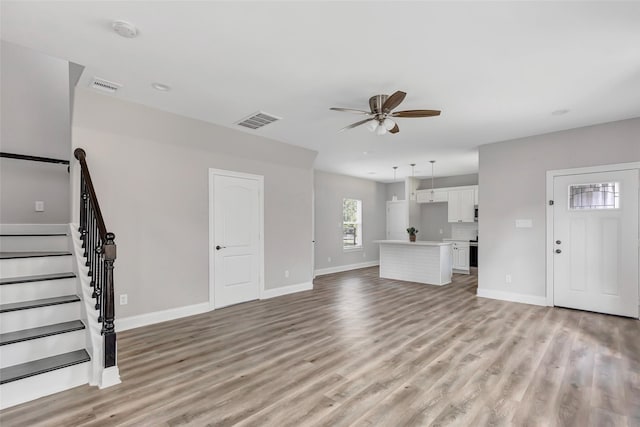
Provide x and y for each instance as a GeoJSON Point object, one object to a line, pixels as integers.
{"type": "Point", "coordinates": [358, 350]}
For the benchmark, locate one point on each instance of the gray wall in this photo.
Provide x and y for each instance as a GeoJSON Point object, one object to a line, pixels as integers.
{"type": "Point", "coordinates": [396, 188]}
{"type": "Point", "coordinates": [513, 186]}
{"type": "Point", "coordinates": [150, 169]}
{"type": "Point", "coordinates": [330, 190]}
{"type": "Point", "coordinates": [34, 108]}
{"type": "Point", "coordinates": [433, 218]}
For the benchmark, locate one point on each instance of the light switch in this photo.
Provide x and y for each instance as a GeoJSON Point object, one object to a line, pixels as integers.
{"type": "Point", "coordinates": [39, 206]}
{"type": "Point", "coordinates": [524, 223]}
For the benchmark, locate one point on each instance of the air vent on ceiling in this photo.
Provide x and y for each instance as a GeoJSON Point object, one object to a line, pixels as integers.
{"type": "Point", "coordinates": [104, 85]}
{"type": "Point", "coordinates": [258, 120]}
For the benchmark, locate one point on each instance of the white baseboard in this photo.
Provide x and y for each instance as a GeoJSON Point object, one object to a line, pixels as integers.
{"type": "Point", "coordinates": [286, 290]}
{"type": "Point", "coordinates": [513, 297]}
{"type": "Point", "coordinates": [341, 268]}
{"type": "Point", "coordinates": [131, 322]}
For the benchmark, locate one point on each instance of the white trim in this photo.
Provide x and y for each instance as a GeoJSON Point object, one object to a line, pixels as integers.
{"type": "Point", "coordinates": [551, 174]}
{"type": "Point", "coordinates": [341, 268]}
{"type": "Point", "coordinates": [110, 377]}
{"type": "Point", "coordinates": [132, 322]}
{"type": "Point", "coordinates": [34, 228]}
{"type": "Point", "coordinates": [286, 290]}
{"type": "Point", "coordinates": [513, 297]}
{"type": "Point", "coordinates": [220, 172]}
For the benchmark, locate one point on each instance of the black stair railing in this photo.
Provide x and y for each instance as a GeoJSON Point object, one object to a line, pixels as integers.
{"type": "Point", "coordinates": [100, 254]}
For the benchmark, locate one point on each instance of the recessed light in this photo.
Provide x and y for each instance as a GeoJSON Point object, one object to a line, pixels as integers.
{"type": "Point", "coordinates": [125, 29]}
{"type": "Point", "coordinates": [560, 112]}
{"type": "Point", "coordinates": [161, 87]}
{"type": "Point", "coordinates": [372, 173]}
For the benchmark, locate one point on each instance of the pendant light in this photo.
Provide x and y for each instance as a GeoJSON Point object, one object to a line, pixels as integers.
{"type": "Point", "coordinates": [432, 165]}
{"type": "Point", "coordinates": [395, 197]}
{"type": "Point", "coordinates": [413, 184]}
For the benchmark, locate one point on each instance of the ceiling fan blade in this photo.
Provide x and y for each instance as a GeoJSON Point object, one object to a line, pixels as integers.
{"type": "Point", "coordinates": [395, 129]}
{"type": "Point", "coordinates": [350, 110]}
{"type": "Point", "coordinates": [393, 101]}
{"type": "Point", "coordinates": [356, 124]}
{"type": "Point", "coordinates": [416, 113]}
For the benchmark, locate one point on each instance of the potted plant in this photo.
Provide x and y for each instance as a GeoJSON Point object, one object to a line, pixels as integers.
{"type": "Point", "coordinates": [412, 233]}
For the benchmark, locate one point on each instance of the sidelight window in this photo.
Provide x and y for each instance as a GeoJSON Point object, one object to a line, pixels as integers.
{"type": "Point", "coordinates": [351, 224]}
{"type": "Point", "coordinates": [594, 196]}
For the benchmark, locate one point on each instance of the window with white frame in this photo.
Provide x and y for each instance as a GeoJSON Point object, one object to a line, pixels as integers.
{"type": "Point", "coordinates": [351, 224]}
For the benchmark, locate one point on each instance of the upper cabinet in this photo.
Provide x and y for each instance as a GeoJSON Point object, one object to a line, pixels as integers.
{"type": "Point", "coordinates": [461, 205]}
{"type": "Point", "coordinates": [432, 196]}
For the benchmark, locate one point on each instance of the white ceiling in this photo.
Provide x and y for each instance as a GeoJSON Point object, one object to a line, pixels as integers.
{"type": "Point", "coordinates": [496, 69]}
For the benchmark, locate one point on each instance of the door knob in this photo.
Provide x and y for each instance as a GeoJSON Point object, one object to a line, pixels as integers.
{"type": "Point", "coordinates": [558, 251]}
{"type": "Point", "coordinates": [220, 247]}
{"type": "Point", "coordinates": [558, 242]}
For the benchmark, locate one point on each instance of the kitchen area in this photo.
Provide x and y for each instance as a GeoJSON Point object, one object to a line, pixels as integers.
{"type": "Point", "coordinates": [445, 213]}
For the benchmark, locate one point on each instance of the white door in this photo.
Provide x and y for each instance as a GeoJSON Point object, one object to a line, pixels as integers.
{"type": "Point", "coordinates": [595, 242]}
{"type": "Point", "coordinates": [236, 240]}
{"type": "Point", "coordinates": [397, 218]}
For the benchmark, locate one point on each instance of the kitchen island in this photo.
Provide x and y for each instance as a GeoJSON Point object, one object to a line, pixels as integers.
{"type": "Point", "coordinates": [421, 262]}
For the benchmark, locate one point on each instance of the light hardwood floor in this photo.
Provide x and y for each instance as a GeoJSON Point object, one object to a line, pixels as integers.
{"type": "Point", "coordinates": [364, 351]}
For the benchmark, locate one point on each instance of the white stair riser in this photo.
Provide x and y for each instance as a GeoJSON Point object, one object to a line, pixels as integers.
{"type": "Point", "coordinates": [41, 316]}
{"type": "Point", "coordinates": [32, 388]}
{"type": "Point", "coordinates": [33, 228]}
{"type": "Point", "coordinates": [17, 267]}
{"type": "Point", "coordinates": [29, 291]}
{"type": "Point", "coordinates": [26, 351]}
{"type": "Point", "coordinates": [33, 243]}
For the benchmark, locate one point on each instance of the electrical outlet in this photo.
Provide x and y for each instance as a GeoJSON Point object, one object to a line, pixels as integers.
{"type": "Point", "coordinates": [329, 259]}
{"type": "Point", "coordinates": [124, 299]}
{"type": "Point", "coordinates": [441, 231]}
{"type": "Point", "coordinates": [507, 278]}
{"type": "Point", "coordinates": [286, 273]}
{"type": "Point", "coordinates": [39, 206]}
{"type": "Point", "coordinates": [364, 254]}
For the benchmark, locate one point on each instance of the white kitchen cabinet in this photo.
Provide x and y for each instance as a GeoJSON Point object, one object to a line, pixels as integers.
{"type": "Point", "coordinates": [432, 196]}
{"type": "Point", "coordinates": [461, 205]}
{"type": "Point", "coordinates": [397, 220]}
{"type": "Point", "coordinates": [460, 256]}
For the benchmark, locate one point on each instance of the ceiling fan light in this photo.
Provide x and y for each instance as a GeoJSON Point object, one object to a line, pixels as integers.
{"type": "Point", "coordinates": [381, 130]}
{"type": "Point", "coordinates": [389, 124]}
{"type": "Point", "coordinates": [372, 125]}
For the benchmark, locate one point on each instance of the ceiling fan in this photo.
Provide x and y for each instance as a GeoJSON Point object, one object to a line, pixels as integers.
{"type": "Point", "coordinates": [380, 115]}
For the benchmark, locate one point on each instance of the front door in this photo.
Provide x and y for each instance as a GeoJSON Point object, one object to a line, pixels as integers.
{"type": "Point", "coordinates": [236, 239]}
{"type": "Point", "coordinates": [595, 242]}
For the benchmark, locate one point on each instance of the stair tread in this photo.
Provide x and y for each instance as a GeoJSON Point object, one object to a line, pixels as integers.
{"type": "Point", "coordinates": [41, 366]}
{"type": "Point", "coordinates": [38, 278]}
{"type": "Point", "coordinates": [12, 255]}
{"type": "Point", "coordinates": [31, 234]}
{"type": "Point", "coordinates": [38, 303]}
{"type": "Point", "coordinates": [40, 332]}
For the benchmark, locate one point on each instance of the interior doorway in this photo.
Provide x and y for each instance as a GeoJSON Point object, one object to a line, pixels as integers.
{"type": "Point", "coordinates": [236, 242]}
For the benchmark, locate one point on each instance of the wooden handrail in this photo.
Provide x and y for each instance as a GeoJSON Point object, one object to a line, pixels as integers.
{"type": "Point", "coordinates": [100, 253]}
{"type": "Point", "coordinates": [33, 158]}
{"type": "Point", "coordinates": [81, 155]}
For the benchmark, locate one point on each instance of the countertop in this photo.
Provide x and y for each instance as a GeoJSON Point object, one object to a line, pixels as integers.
{"type": "Point", "coordinates": [460, 241]}
{"type": "Point", "coordinates": [406, 242]}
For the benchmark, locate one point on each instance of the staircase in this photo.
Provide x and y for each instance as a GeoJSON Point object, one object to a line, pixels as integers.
{"type": "Point", "coordinates": [57, 314]}
{"type": "Point", "coordinates": [43, 339]}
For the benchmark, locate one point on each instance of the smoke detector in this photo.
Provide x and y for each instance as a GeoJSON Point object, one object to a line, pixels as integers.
{"type": "Point", "coordinates": [125, 29]}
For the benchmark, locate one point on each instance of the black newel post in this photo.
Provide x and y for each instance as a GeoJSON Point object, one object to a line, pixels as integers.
{"type": "Point", "coordinates": [108, 328]}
